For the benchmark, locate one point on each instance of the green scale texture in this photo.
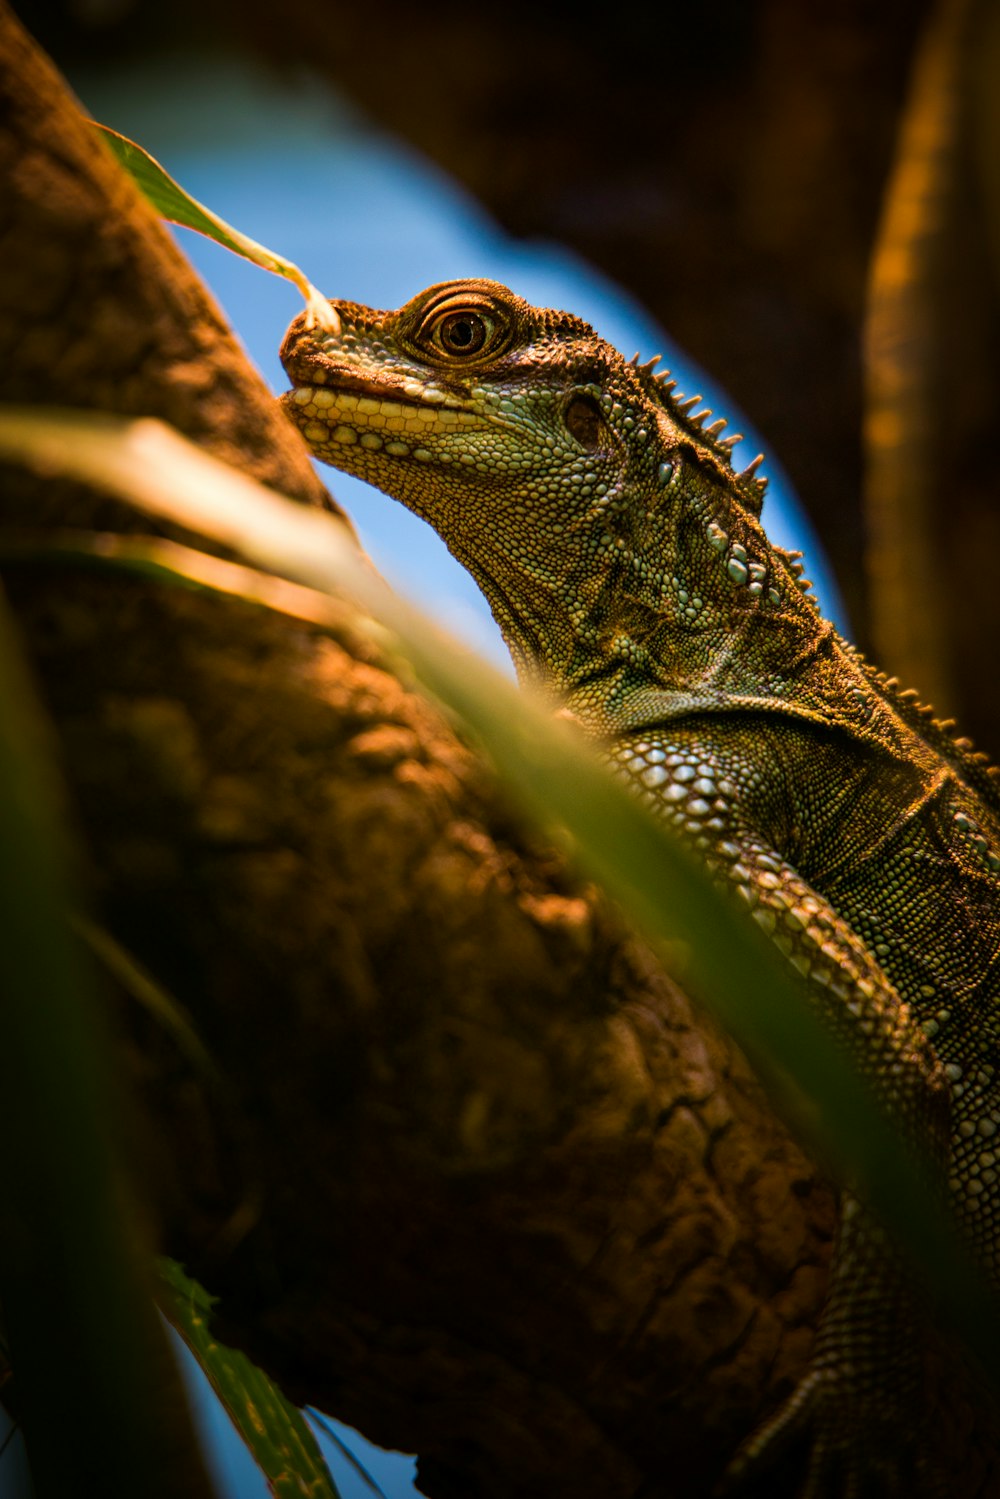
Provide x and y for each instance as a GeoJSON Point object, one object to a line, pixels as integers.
{"type": "Point", "coordinates": [625, 563]}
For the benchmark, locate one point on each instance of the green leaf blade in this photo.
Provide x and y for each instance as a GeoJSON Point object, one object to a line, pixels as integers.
{"type": "Point", "coordinates": [74, 1284]}
{"type": "Point", "coordinates": [730, 964]}
{"type": "Point", "coordinates": [276, 1434]}
{"type": "Point", "coordinates": [173, 203]}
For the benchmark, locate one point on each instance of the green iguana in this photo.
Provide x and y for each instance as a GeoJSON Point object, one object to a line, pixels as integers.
{"type": "Point", "coordinates": [625, 563]}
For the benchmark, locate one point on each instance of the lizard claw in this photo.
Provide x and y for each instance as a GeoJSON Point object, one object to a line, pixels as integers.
{"type": "Point", "coordinates": [857, 1408]}
{"type": "Point", "coordinates": [867, 1449]}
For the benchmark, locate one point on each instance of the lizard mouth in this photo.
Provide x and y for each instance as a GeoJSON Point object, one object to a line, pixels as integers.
{"type": "Point", "coordinates": [307, 367]}
{"type": "Point", "coordinates": [398, 405]}
{"type": "Point", "coordinates": [339, 402]}
{"type": "Point", "coordinates": [378, 387]}
{"type": "Point", "coordinates": [339, 406]}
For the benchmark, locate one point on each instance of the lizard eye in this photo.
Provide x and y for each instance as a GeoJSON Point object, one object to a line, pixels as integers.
{"type": "Point", "coordinates": [460, 334]}
{"type": "Point", "coordinates": [459, 322]}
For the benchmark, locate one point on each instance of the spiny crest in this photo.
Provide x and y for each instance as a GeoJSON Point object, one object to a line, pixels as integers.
{"type": "Point", "coordinates": [683, 410]}
{"type": "Point", "coordinates": [960, 752]}
{"type": "Point", "coordinates": [793, 561]}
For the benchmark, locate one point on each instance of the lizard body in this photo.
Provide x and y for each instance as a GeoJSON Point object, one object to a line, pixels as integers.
{"type": "Point", "coordinates": [626, 565]}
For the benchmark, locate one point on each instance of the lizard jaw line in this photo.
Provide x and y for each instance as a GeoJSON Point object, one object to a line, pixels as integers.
{"type": "Point", "coordinates": [376, 416]}
{"type": "Point", "coordinates": [340, 381]}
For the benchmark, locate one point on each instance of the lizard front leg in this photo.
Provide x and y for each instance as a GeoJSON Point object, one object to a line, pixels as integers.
{"type": "Point", "coordinates": [860, 1400]}
{"type": "Point", "coordinates": [857, 1399]}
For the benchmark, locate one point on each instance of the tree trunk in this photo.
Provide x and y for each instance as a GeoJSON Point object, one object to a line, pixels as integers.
{"type": "Point", "coordinates": [471, 1176]}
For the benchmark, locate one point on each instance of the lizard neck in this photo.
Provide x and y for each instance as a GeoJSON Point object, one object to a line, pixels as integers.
{"type": "Point", "coordinates": [651, 612]}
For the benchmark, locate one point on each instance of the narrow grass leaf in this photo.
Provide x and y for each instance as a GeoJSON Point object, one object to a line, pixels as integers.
{"type": "Point", "coordinates": [133, 979]}
{"type": "Point", "coordinates": [72, 1276]}
{"type": "Point", "coordinates": [169, 199]}
{"type": "Point", "coordinates": [725, 959]}
{"type": "Point", "coordinates": [277, 1435]}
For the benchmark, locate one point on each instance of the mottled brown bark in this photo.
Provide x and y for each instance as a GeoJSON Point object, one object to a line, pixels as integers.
{"type": "Point", "coordinates": [474, 1177]}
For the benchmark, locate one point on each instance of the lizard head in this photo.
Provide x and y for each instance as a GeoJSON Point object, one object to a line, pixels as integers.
{"type": "Point", "coordinates": [599, 518]}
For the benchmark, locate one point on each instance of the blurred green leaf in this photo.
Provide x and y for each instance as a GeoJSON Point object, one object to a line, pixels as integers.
{"type": "Point", "coordinates": [276, 1434]}
{"type": "Point", "coordinates": [102, 1407]}
{"type": "Point", "coordinates": [170, 200]}
{"type": "Point", "coordinates": [706, 939]}
{"type": "Point", "coordinates": [143, 988]}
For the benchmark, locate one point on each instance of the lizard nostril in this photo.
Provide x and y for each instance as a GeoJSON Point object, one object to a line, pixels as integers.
{"type": "Point", "coordinates": [584, 420]}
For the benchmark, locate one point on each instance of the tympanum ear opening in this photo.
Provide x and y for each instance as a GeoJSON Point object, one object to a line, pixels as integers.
{"type": "Point", "coordinates": [585, 422]}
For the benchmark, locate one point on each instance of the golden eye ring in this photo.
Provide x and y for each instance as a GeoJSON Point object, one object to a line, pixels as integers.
{"type": "Point", "coordinates": [462, 328]}
{"type": "Point", "coordinates": [462, 334]}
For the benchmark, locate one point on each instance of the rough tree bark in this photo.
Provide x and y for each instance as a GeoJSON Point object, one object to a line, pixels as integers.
{"type": "Point", "coordinates": [474, 1178]}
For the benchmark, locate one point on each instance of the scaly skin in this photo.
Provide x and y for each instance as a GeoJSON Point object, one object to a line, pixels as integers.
{"type": "Point", "coordinates": [625, 563]}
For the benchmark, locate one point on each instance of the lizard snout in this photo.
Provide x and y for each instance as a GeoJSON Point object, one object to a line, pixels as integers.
{"type": "Point", "coordinates": [299, 354]}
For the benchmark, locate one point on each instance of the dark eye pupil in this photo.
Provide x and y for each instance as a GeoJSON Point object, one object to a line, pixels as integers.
{"type": "Point", "coordinates": [463, 333]}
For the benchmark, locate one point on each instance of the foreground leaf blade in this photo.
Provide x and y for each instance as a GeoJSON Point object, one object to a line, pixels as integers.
{"type": "Point", "coordinates": [729, 963]}
{"type": "Point", "coordinates": [169, 198]}
{"type": "Point", "coordinates": [73, 1280]}
{"type": "Point", "coordinates": [276, 1434]}
{"type": "Point", "coordinates": [145, 991]}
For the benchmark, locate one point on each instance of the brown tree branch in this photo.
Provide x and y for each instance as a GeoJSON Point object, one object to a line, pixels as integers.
{"type": "Point", "coordinates": [473, 1178]}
